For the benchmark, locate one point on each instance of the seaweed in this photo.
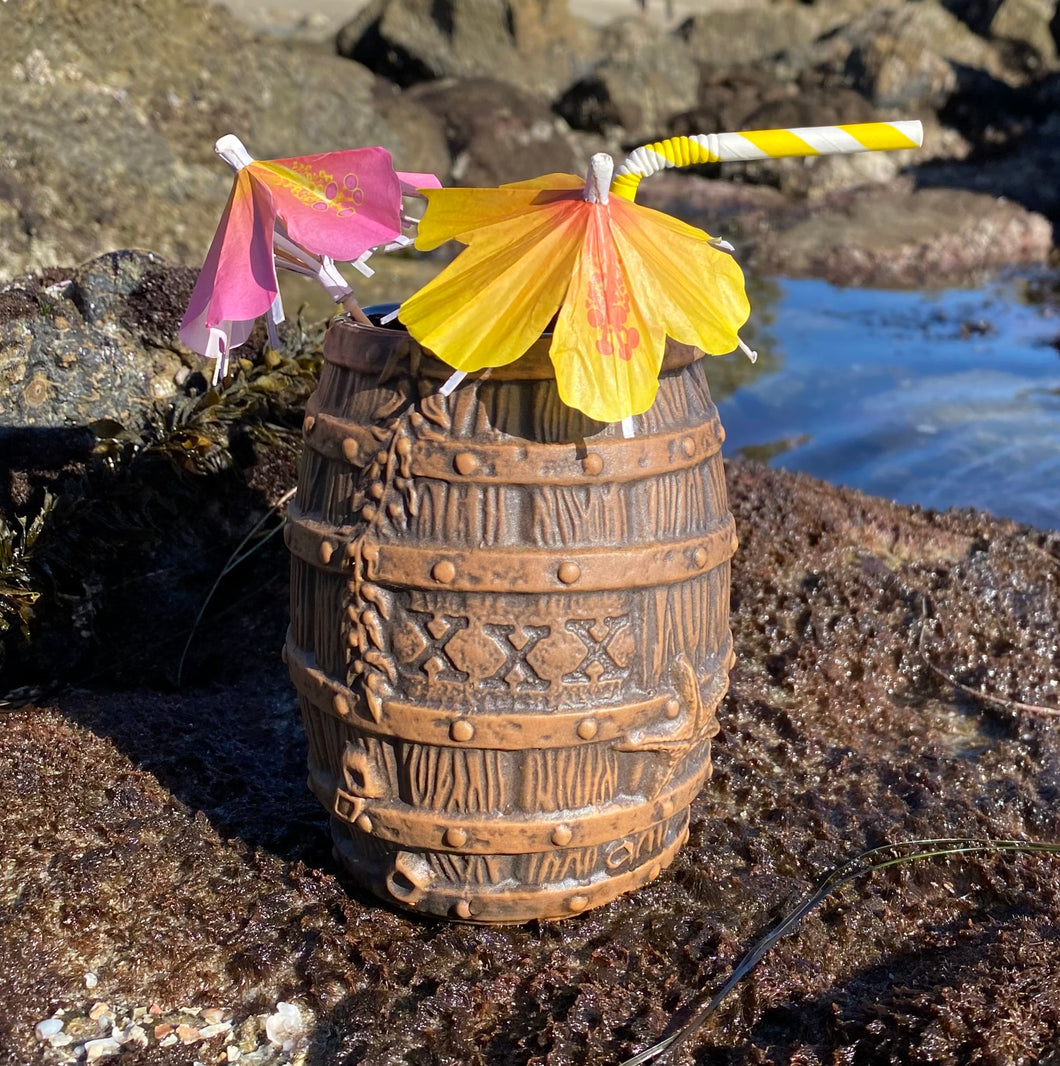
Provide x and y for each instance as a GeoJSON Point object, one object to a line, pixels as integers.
{"type": "Point", "coordinates": [138, 528]}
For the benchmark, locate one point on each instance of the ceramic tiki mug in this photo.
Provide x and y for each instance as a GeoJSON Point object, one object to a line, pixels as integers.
{"type": "Point", "coordinates": [509, 627]}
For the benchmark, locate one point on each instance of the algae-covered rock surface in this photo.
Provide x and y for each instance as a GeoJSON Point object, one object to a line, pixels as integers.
{"type": "Point", "coordinates": [164, 843]}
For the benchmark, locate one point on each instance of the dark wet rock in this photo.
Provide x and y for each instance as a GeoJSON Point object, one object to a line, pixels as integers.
{"type": "Point", "coordinates": [167, 842]}
{"type": "Point", "coordinates": [97, 342]}
{"type": "Point", "coordinates": [1033, 24]}
{"type": "Point", "coordinates": [111, 113]}
{"type": "Point", "coordinates": [536, 45]}
{"type": "Point", "coordinates": [902, 56]}
{"type": "Point", "coordinates": [126, 481]}
{"type": "Point", "coordinates": [878, 235]}
{"type": "Point", "coordinates": [496, 132]}
{"type": "Point", "coordinates": [646, 75]}
{"type": "Point", "coordinates": [1016, 146]}
{"type": "Point", "coordinates": [1025, 175]}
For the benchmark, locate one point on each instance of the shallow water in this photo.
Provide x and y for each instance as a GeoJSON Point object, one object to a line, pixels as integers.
{"type": "Point", "coordinates": [946, 399]}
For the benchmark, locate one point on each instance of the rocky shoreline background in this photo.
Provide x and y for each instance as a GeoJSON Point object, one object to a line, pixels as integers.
{"type": "Point", "coordinates": [166, 878]}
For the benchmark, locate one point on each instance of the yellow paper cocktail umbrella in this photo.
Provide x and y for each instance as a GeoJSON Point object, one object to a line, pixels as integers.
{"type": "Point", "coordinates": [619, 278]}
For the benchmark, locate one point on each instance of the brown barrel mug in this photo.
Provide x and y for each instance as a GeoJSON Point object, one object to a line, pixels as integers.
{"type": "Point", "coordinates": [510, 627]}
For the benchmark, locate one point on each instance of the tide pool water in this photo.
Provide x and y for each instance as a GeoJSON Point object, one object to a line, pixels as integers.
{"type": "Point", "coordinates": [946, 399]}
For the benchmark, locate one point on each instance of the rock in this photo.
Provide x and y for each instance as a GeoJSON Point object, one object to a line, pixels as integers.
{"type": "Point", "coordinates": [902, 56]}
{"type": "Point", "coordinates": [496, 132]}
{"type": "Point", "coordinates": [285, 1027]}
{"type": "Point", "coordinates": [100, 1010]}
{"type": "Point", "coordinates": [112, 112]}
{"type": "Point", "coordinates": [96, 463]}
{"type": "Point", "coordinates": [1024, 174]}
{"type": "Point", "coordinates": [879, 236]}
{"type": "Point", "coordinates": [646, 76]}
{"type": "Point", "coordinates": [208, 1032]}
{"type": "Point", "coordinates": [98, 342]}
{"type": "Point", "coordinates": [536, 45]}
{"type": "Point", "coordinates": [1029, 23]}
{"type": "Point", "coordinates": [48, 1028]}
{"type": "Point", "coordinates": [132, 1035]}
{"type": "Point", "coordinates": [419, 125]}
{"type": "Point", "coordinates": [750, 33]}
{"type": "Point", "coordinates": [100, 1049]}
{"type": "Point", "coordinates": [890, 236]}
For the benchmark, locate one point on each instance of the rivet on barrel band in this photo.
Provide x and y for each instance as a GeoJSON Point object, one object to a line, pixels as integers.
{"type": "Point", "coordinates": [443, 572]}
{"type": "Point", "coordinates": [701, 557]}
{"type": "Point", "coordinates": [587, 728]}
{"type": "Point", "coordinates": [568, 573]}
{"type": "Point", "coordinates": [672, 709]}
{"type": "Point", "coordinates": [461, 730]}
{"type": "Point", "coordinates": [462, 909]}
{"type": "Point", "coordinates": [465, 463]}
{"type": "Point", "coordinates": [593, 464]}
{"type": "Point", "coordinates": [455, 837]}
{"type": "Point", "coordinates": [688, 446]}
{"type": "Point", "coordinates": [577, 903]}
{"type": "Point", "coordinates": [562, 835]}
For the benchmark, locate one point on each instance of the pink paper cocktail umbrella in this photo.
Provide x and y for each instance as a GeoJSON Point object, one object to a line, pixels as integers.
{"type": "Point", "coordinates": [302, 213]}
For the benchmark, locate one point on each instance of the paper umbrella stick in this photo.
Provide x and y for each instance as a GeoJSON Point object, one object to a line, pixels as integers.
{"type": "Point", "coordinates": [762, 144]}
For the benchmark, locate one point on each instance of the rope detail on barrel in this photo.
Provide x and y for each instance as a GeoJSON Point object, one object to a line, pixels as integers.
{"type": "Point", "coordinates": [383, 496]}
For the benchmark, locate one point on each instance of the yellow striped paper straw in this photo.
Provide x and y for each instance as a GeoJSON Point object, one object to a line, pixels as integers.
{"type": "Point", "coordinates": [762, 144]}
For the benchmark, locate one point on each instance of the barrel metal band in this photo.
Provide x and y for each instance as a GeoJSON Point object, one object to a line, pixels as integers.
{"type": "Point", "coordinates": [506, 905]}
{"type": "Point", "coordinates": [434, 726]}
{"type": "Point", "coordinates": [524, 570]}
{"type": "Point", "coordinates": [502, 834]}
{"type": "Point", "coordinates": [592, 462]}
